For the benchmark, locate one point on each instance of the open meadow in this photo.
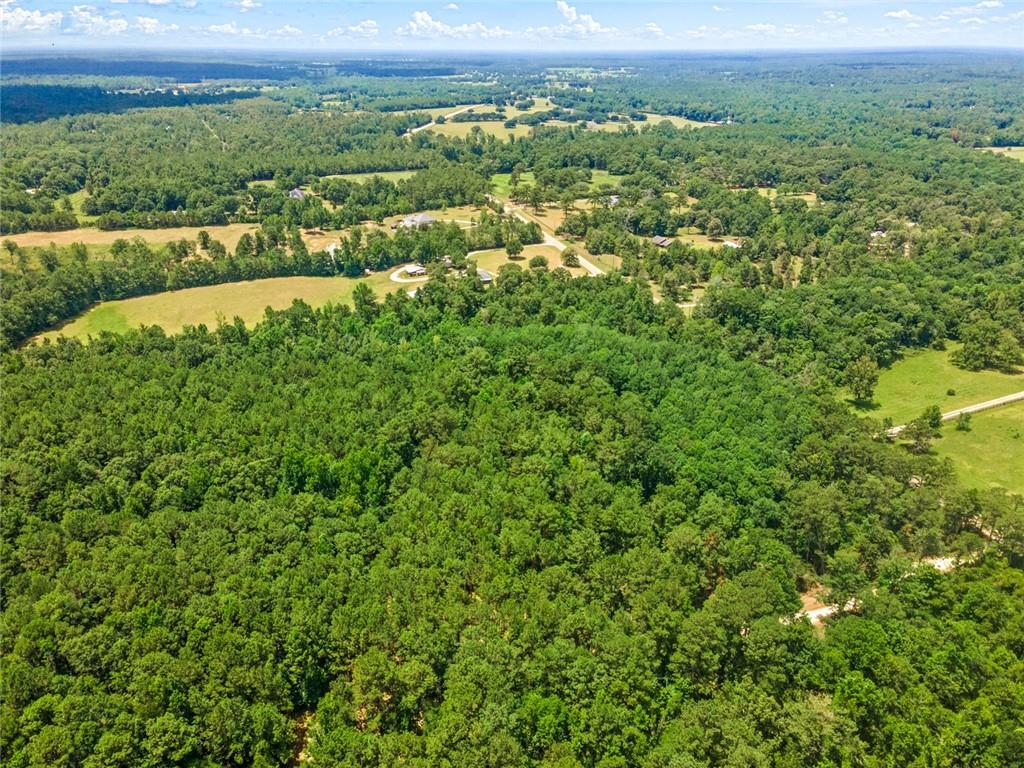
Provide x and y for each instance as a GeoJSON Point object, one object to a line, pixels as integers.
{"type": "Point", "coordinates": [228, 234]}
{"type": "Point", "coordinates": [1017, 153]}
{"type": "Point", "coordinates": [925, 378]}
{"type": "Point", "coordinates": [364, 177]}
{"type": "Point", "coordinates": [173, 310]}
{"type": "Point", "coordinates": [991, 453]}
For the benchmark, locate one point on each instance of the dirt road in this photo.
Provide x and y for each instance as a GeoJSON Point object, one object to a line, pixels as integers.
{"type": "Point", "coordinates": [450, 115]}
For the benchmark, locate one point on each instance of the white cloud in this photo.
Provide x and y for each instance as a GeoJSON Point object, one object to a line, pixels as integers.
{"type": "Point", "coordinates": [15, 20]}
{"type": "Point", "coordinates": [972, 20]}
{"type": "Point", "coordinates": [451, 7]}
{"type": "Point", "coordinates": [86, 19]}
{"type": "Point", "coordinates": [653, 29]}
{"type": "Point", "coordinates": [832, 17]}
{"type": "Point", "coordinates": [231, 28]}
{"type": "Point", "coordinates": [158, 2]}
{"type": "Point", "coordinates": [902, 15]}
{"type": "Point", "coordinates": [768, 29]}
{"type": "Point", "coordinates": [966, 10]}
{"type": "Point", "coordinates": [577, 25]}
{"type": "Point", "coordinates": [703, 31]}
{"type": "Point", "coordinates": [717, 8]}
{"type": "Point", "coordinates": [245, 5]}
{"type": "Point", "coordinates": [422, 24]}
{"type": "Point", "coordinates": [150, 26]}
{"type": "Point", "coordinates": [366, 28]}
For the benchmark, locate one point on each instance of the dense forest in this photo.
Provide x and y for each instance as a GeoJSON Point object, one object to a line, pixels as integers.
{"type": "Point", "coordinates": [547, 521]}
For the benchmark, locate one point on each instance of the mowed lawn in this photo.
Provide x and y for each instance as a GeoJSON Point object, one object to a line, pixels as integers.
{"type": "Point", "coordinates": [991, 454]}
{"type": "Point", "coordinates": [493, 260]}
{"type": "Point", "coordinates": [173, 310]}
{"type": "Point", "coordinates": [923, 378]}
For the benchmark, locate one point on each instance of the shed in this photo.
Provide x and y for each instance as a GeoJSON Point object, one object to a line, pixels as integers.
{"type": "Point", "coordinates": [731, 244]}
{"type": "Point", "coordinates": [415, 270]}
{"type": "Point", "coordinates": [661, 241]}
{"type": "Point", "coordinates": [484, 275]}
{"type": "Point", "coordinates": [297, 194]}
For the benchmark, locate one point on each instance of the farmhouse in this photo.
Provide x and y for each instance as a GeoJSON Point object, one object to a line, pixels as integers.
{"type": "Point", "coordinates": [297, 194]}
{"type": "Point", "coordinates": [415, 270]}
{"type": "Point", "coordinates": [417, 220]}
{"type": "Point", "coordinates": [661, 241]}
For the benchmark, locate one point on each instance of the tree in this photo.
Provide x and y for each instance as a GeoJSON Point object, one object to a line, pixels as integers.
{"type": "Point", "coordinates": [987, 344]}
{"type": "Point", "coordinates": [513, 246]}
{"type": "Point", "coordinates": [365, 301]}
{"type": "Point", "coordinates": [570, 257]}
{"type": "Point", "coordinates": [536, 198]}
{"type": "Point", "coordinates": [963, 422]}
{"type": "Point", "coordinates": [538, 262]}
{"type": "Point", "coordinates": [920, 434]}
{"type": "Point", "coordinates": [714, 228]}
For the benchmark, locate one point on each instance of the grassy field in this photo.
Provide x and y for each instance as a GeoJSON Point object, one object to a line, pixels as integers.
{"type": "Point", "coordinates": [228, 234]}
{"type": "Point", "coordinates": [678, 122]}
{"type": "Point", "coordinates": [462, 130]}
{"type": "Point", "coordinates": [77, 201]}
{"type": "Point", "coordinates": [361, 177]}
{"type": "Point", "coordinates": [493, 127]}
{"type": "Point", "coordinates": [493, 260]}
{"type": "Point", "coordinates": [501, 182]}
{"type": "Point", "coordinates": [1017, 153]}
{"type": "Point", "coordinates": [173, 310]}
{"type": "Point", "coordinates": [771, 193]}
{"type": "Point", "coordinates": [990, 455]}
{"type": "Point", "coordinates": [699, 240]}
{"type": "Point", "coordinates": [435, 111]}
{"type": "Point", "coordinates": [923, 378]}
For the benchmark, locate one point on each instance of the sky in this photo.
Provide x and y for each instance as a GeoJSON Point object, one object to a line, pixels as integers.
{"type": "Point", "coordinates": [542, 26]}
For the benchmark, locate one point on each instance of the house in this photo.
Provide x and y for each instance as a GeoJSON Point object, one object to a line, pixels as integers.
{"type": "Point", "coordinates": [484, 275]}
{"type": "Point", "coordinates": [297, 194]}
{"type": "Point", "coordinates": [731, 244]}
{"type": "Point", "coordinates": [661, 241]}
{"type": "Point", "coordinates": [613, 200]}
{"type": "Point", "coordinates": [417, 221]}
{"type": "Point", "coordinates": [415, 270]}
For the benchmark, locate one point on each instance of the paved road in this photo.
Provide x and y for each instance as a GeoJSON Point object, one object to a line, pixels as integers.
{"type": "Point", "coordinates": [424, 127]}
{"type": "Point", "coordinates": [994, 403]}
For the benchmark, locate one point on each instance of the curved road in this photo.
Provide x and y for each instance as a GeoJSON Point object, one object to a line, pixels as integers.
{"type": "Point", "coordinates": [949, 416]}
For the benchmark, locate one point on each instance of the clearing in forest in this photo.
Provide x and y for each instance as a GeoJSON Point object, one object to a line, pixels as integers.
{"type": "Point", "coordinates": [364, 177]}
{"type": "Point", "coordinates": [925, 378]}
{"type": "Point", "coordinates": [228, 234]}
{"type": "Point", "coordinates": [991, 453]}
{"type": "Point", "coordinates": [1017, 153]}
{"type": "Point", "coordinates": [495, 258]}
{"type": "Point", "coordinates": [173, 310]}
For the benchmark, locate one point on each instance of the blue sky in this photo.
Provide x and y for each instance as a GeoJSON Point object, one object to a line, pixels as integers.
{"type": "Point", "coordinates": [534, 25]}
